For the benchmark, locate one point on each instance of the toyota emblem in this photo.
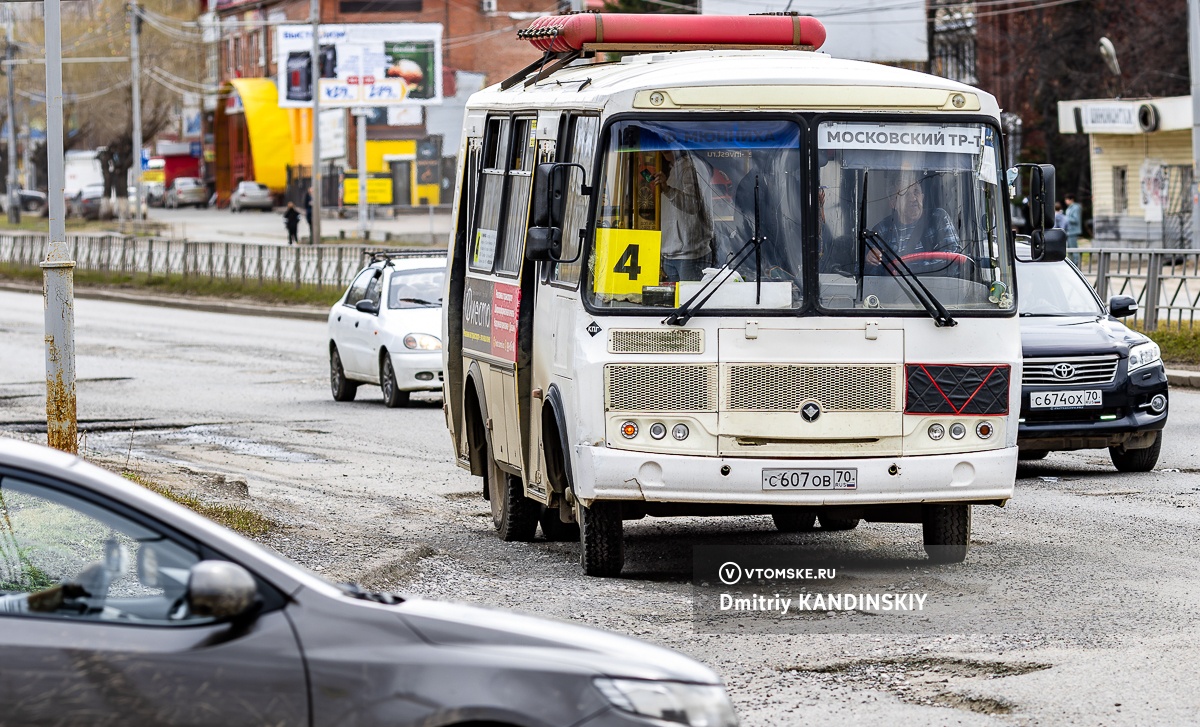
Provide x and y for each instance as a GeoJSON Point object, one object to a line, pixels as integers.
{"type": "Point", "coordinates": [810, 411]}
{"type": "Point", "coordinates": [1063, 371]}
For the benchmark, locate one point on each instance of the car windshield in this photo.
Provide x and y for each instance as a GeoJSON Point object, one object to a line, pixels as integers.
{"type": "Point", "coordinates": [678, 200]}
{"type": "Point", "coordinates": [185, 183]}
{"type": "Point", "coordinates": [416, 288]}
{"type": "Point", "coordinates": [1055, 289]}
{"type": "Point", "coordinates": [900, 197]}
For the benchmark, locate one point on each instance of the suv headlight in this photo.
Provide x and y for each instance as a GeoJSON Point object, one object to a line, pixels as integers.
{"type": "Point", "coordinates": [422, 342]}
{"type": "Point", "coordinates": [1143, 355]}
{"type": "Point", "coordinates": [695, 705]}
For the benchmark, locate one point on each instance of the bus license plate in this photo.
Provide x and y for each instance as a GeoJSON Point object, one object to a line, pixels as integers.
{"type": "Point", "coordinates": [835, 479]}
{"type": "Point", "coordinates": [1065, 399]}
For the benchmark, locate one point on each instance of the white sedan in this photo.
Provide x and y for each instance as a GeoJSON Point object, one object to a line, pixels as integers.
{"type": "Point", "coordinates": [385, 329]}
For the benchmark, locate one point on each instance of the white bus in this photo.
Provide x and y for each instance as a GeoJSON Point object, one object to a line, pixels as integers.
{"type": "Point", "coordinates": [725, 274]}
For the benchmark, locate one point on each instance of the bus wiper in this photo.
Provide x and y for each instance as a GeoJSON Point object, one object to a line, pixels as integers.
{"type": "Point", "coordinates": [681, 315]}
{"type": "Point", "coordinates": [895, 266]}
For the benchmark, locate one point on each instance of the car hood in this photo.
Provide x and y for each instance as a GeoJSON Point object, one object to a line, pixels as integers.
{"type": "Point", "coordinates": [403, 321]}
{"type": "Point", "coordinates": [1075, 336]}
{"type": "Point", "coordinates": [602, 652]}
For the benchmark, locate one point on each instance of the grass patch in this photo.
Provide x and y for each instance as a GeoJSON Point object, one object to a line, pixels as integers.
{"type": "Point", "coordinates": [267, 292]}
{"type": "Point", "coordinates": [242, 519]}
{"type": "Point", "coordinates": [1180, 345]}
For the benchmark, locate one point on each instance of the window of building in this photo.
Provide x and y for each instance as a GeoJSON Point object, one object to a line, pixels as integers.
{"type": "Point", "coordinates": [1120, 177]}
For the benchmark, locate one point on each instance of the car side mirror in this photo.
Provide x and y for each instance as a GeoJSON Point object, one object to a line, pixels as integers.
{"type": "Point", "coordinates": [366, 306]}
{"type": "Point", "coordinates": [1122, 306]}
{"type": "Point", "coordinates": [220, 589]}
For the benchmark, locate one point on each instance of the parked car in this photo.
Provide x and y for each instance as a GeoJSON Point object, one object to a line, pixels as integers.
{"type": "Point", "coordinates": [29, 200]}
{"type": "Point", "coordinates": [186, 191]}
{"type": "Point", "coordinates": [110, 589]}
{"type": "Point", "coordinates": [87, 202]}
{"type": "Point", "coordinates": [251, 195]}
{"type": "Point", "coordinates": [386, 329]}
{"type": "Point", "coordinates": [155, 191]}
{"type": "Point", "coordinates": [1089, 381]}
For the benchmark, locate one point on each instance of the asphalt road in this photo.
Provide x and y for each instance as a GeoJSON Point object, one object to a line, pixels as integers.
{"type": "Point", "coordinates": [1103, 563]}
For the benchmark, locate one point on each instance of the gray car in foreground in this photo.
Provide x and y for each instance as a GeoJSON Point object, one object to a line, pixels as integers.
{"type": "Point", "coordinates": [120, 607]}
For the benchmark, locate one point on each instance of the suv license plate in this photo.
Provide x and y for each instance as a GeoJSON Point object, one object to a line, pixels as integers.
{"type": "Point", "coordinates": [1087, 399]}
{"type": "Point", "coordinates": [835, 479]}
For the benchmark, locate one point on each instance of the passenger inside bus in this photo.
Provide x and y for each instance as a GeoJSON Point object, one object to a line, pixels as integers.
{"type": "Point", "coordinates": [685, 217]}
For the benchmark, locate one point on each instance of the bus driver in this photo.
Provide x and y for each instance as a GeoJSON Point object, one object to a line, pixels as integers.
{"type": "Point", "coordinates": [912, 228]}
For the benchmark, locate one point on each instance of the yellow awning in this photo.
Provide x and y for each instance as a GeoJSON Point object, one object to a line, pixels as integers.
{"type": "Point", "coordinates": [270, 130]}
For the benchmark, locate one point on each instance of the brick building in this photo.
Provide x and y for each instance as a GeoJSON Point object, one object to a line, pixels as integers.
{"type": "Point", "coordinates": [254, 139]}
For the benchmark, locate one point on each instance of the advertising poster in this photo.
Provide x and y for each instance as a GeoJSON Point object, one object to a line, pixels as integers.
{"type": "Point", "coordinates": [368, 64]}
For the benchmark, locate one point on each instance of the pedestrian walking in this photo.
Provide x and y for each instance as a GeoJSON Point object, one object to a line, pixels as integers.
{"type": "Point", "coordinates": [1074, 226]}
{"type": "Point", "coordinates": [291, 220]}
{"type": "Point", "coordinates": [1060, 217]}
{"type": "Point", "coordinates": [308, 200]}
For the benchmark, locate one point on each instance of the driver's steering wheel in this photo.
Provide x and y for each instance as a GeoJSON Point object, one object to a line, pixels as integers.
{"type": "Point", "coordinates": [934, 261]}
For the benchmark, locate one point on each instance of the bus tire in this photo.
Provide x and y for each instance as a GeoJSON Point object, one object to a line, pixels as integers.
{"type": "Point", "coordinates": [947, 531]}
{"type": "Point", "coordinates": [554, 529]}
{"type": "Point", "coordinates": [514, 515]}
{"type": "Point", "coordinates": [601, 539]}
{"type": "Point", "coordinates": [795, 520]}
{"type": "Point", "coordinates": [838, 523]}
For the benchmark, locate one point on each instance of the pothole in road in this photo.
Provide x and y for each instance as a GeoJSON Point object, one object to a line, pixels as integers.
{"type": "Point", "coordinates": [212, 436]}
{"type": "Point", "coordinates": [925, 681]}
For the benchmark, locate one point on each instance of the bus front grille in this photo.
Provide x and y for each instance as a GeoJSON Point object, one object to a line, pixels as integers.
{"type": "Point", "coordinates": [660, 387]}
{"type": "Point", "coordinates": [784, 387]}
{"type": "Point", "coordinates": [656, 340]}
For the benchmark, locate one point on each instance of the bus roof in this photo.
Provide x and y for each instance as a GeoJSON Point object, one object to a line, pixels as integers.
{"type": "Point", "coordinates": [749, 79]}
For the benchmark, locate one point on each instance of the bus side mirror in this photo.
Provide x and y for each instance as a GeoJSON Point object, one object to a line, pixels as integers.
{"type": "Point", "coordinates": [544, 244]}
{"type": "Point", "coordinates": [1046, 243]}
{"type": "Point", "coordinates": [550, 183]}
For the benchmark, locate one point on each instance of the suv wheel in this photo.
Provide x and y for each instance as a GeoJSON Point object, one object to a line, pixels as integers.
{"type": "Point", "coordinates": [601, 539]}
{"type": "Point", "coordinates": [392, 395]}
{"type": "Point", "coordinates": [947, 530]}
{"type": "Point", "coordinates": [795, 520]}
{"type": "Point", "coordinates": [1137, 460]}
{"type": "Point", "coordinates": [343, 389]}
{"type": "Point", "coordinates": [514, 515]}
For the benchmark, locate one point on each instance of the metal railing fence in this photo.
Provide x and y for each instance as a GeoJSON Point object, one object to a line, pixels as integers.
{"type": "Point", "coordinates": [1165, 283]}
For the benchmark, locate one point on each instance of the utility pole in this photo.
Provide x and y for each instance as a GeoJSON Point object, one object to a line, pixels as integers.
{"type": "Point", "coordinates": [364, 226]}
{"type": "Point", "coordinates": [314, 11]}
{"type": "Point", "coordinates": [14, 199]}
{"type": "Point", "coordinates": [135, 70]}
{"type": "Point", "coordinates": [1194, 57]}
{"type": "Point", "coordinates": [58, 269]}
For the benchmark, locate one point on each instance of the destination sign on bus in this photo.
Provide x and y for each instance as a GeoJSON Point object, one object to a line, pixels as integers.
{"type": "Point", "coordinates": [901, 137]}
{"type": "Point", "coordinates": [649, 136]}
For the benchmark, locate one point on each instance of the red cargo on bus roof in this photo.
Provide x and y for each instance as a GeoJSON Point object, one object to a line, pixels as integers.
{"type": "Point", "coordinates": [565, 33]}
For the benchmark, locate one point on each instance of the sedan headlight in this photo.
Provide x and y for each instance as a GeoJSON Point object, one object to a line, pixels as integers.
{"type": "Point", "coordinates": [695, 705]}
{"type": "Point", "coordinates": [422, 342]}
{"type": "Point", "coordinates": [1143, 355]}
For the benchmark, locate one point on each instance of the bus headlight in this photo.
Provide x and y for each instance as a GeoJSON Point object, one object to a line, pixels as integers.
{"type": "Point", "coordinates": [657, 430]}
{"type": "Point", "coordinates": [629, 430]}
{"type": "Point", "coordinates": [680, 432]}
{"type": "Point", "coordinates": [957, 430]}
{"type": "Point", "coordinates": [936, 432]}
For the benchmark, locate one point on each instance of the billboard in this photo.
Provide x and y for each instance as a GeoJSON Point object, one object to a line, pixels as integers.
{"type": "Point", "coordinates": [864, 30]}
{"type": "Point", "coordinates": [368, 64]}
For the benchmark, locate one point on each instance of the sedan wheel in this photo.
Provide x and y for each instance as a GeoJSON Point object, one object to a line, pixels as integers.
{"type": "Point", "coordinates": [343, 389]}
{"type": "Point", "coordinates": [392, 395]}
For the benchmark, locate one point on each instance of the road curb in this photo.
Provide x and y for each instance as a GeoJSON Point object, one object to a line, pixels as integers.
{"type": "Point", "coordinates": [241, 308]}
{"type": "Point", "coordinates": [1185, 379]}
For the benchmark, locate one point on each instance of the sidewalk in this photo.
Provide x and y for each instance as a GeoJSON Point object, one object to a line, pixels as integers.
{"type": "Point", "coordinates": [417, 228]}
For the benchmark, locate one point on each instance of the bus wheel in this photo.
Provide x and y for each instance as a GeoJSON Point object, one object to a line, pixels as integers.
{"type": "Point", "coordinates": [838, 523]}
{"type": "Point", "coordinates": [514, 515]}
{"type": "Point", "coordinates": [601, 539]}
{"type": "Point", "coordinates": [795, 520]}
{"type": "Point", "coordinates": [947, 530]}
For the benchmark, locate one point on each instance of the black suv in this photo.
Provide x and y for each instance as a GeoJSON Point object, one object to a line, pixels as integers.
{"type": "Point", "coordinates": [1089, 381]}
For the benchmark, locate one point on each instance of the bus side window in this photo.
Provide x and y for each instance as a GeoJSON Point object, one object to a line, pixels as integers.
{"type": "Point", "coordinates": [520, 178]}
{"type": "Point", "coordinates": [491, 191]}
{"type": "Point", "coordinates": [581, 150]}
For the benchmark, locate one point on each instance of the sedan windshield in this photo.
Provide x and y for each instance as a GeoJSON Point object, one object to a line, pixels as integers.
{"type": "Point", "coordinates": [416, 288]}
{"type": "Point", "coordinates": [1055, 289]}
{"type": "Point", "coordinates": [680, 199]}
{"type": "Point", "coordinates": [908, 203]}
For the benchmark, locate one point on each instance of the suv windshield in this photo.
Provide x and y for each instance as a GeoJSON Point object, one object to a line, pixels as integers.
{"type": "Point", "coordinates": [1055, 289]}
{"type": "Point", "coordinates": [677, 201]}
{"type": "Point", "coordinates": [931, 193]}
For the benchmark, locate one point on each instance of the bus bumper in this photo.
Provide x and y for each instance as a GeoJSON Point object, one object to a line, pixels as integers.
{"type": "Point", "coordinates": [609, 474]}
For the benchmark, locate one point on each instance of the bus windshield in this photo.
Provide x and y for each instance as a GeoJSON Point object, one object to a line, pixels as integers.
{"type": "Point", "coordinates": [911, 200]}
{"type": "Point", "coordinates": [679, 199]}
